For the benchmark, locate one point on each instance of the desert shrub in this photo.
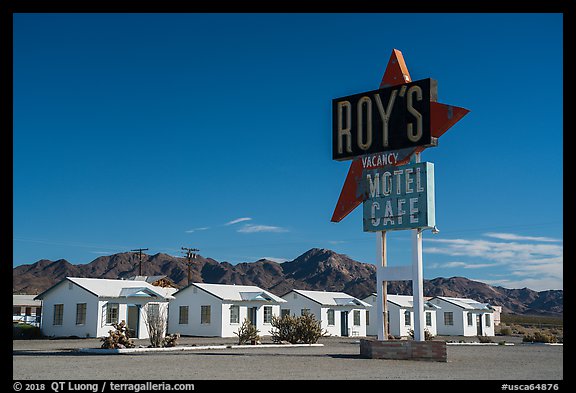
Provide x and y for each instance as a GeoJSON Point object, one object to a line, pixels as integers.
{"type": "Point", "coordinates": [539, 337]}
{"type": "Point", "coordinates": [506, 331]}
{"type": "Point", "coordinates": [170, 340]}
{"type": "Point", "coordinates": [308, 329]}
{"type": "Point", "coordinates": [247, 332]}
{"type": "Point", "coordinates": [118, 338]}
{"type": "Point", "coordinates": [284, 329]}
{"type": "Point", "coordinates": [427, 335]}
{"type": "Point", "coordinates": [25, 331]}
{"type": "Point", "coordinates": [155, 318]}
{"type": "Point", "coordinates": [304, 329]}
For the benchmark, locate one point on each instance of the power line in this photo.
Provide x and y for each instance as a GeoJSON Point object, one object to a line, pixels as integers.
{"type": "Point", "coordinates": [139, 250]}
{"type": "Point", "coordinates": [190, 255]}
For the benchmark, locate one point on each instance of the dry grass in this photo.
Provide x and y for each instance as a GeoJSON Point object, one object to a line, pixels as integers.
{"type": "Point", "coordinates": [531, 327]}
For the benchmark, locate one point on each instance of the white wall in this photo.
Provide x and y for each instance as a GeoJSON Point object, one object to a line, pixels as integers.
{"type": "Point", "coordinates": [219, 325]}
{"type": "Point", "coordinates": [396, 318]}
{"type": "Point", "coordinates": [228, 329]}
{"type": "Point", "coordinates": [69, 294]}
{"type": "Point", "coordinates": [461, 327]}
{"type": "Point", "coordinates": [194, 298]}
{"type": "Point", "coordinates": [296, 302]}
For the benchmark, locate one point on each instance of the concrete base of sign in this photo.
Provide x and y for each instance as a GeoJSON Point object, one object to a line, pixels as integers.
{"type": "Point", "coordinates": [404, 350]}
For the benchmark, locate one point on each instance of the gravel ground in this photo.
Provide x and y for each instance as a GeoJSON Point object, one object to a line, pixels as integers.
{"type": "Point", "coordinates": [338, 359]}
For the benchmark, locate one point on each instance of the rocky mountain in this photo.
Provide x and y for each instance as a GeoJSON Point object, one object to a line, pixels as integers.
{"type": "Point", "coordinates": [316, 269]}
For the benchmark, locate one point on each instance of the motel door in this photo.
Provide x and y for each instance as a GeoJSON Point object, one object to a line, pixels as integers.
{"type": "Point", "coordinates": [344, 323]}
{"type": "Point", "coordinates": [479, 325]}
{"type": "Point", "coordinates": [133, 320]}
{"type": "Point", "coordinates": [252, 315]}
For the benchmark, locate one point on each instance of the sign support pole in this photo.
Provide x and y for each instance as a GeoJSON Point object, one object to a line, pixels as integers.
{"type": "Point", "coordinates": [417, 285]}
{"type": "Point", "coordinates": [381, 287]}
{"type": "Point", "coordinates": [417, 279]}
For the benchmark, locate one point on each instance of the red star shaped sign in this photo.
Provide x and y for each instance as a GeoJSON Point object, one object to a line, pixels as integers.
{"type": "Point", "coordinates": [442, 117]}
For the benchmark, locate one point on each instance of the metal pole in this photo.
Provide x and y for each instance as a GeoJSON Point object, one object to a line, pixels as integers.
{"type": "Point", "coordinates": [190, 255]}
{"type": "Point", "coordinates": [417, 279]}
{"type": "Point", "coordinates": [381, 290]}
{"type": "Point", "coordinates": [417, 285]}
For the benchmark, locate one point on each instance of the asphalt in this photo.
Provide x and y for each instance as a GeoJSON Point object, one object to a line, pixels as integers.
{"type": "Point", "coordinates": [337, 359]}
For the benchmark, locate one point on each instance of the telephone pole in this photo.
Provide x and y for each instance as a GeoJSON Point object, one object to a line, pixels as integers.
{"type": "Point", "coordinates": [139, 250]}
{"type": "Point", "coordinates": [190, 255]}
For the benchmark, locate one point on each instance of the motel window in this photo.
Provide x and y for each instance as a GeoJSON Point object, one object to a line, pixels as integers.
{"type": "Point", "coordinates": [330, 317]}
{"type": "Point", "coordinates": [448, 318]}
{"type": "Point", "coordinates": [80, 313]}
{"type": "Point", "coordinates": [58, 314]}
{"type": "Point", "coordinates": [356, 317]}
{"type": "Point", "coordinates": [267, 314]}
{"type": "Point", "coordinates": [28, 311]}
{"type": "Point", "coordinates": [204, 314]}
{"type": "Point", "coordinates": [153, 311]}
{"type": "Point", "coordinates": [428, 318]}
{"type": "Point", "coordinates": [235, 314]}
{"type": "Point", "coordinates": [305, 311]}
{"type": "Point", "coordinates": [487, 320]}
{"type": "Point", "coordinates": [470, 319]}
{"type": "Point", "coordinates": [183, 315]}
{"type": "Point", "coordinates": [112, 313]}
{"type": "Point", "coordinates": [284, 312]}
{"type": "Point", "coordinates": [407, 321]}
{"type": "Point", "coordinates": [16, 310]}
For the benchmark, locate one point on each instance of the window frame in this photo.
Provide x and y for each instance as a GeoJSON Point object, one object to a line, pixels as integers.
{"type": "Point", "coordinates": [267, 319]}
{"type": "Point", "coordinates": [182, 314]}
{"type": "Point", "coordinates": [330, 316]}
{"type": "Point", "coordinates": [205, 314]}
{"type": "Point", "coordinates": [81, 312]}
{"type": "Point", "coordinates": [448, 317]}
{"type": "Point", "coordinates": [111, 317]}
{"type": "Point", "coordinates": [234, 312]}
{"type": "Point", "coordinates": [407, 318]}
{"type": "Point", "coordinates": [58, 317]}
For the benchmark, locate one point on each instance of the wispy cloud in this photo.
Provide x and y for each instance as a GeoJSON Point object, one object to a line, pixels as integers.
{"type": "Point", "coordinates": [197, 229]}
{"type": "Point", "coordinates": [249, 228]}
{"type": "Point", "coordinates": [275, 259]}
{"type": "Point", "coordinates": [463, 265]}
{"type": "Point", "coordinates": [527, 259]}
{"type": "Point", "coordinates": [236, 221]}
{"type": "Point", "coordinates": [512, 236]}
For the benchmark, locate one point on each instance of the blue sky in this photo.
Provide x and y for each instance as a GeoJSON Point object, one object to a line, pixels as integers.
{"type": "Point", "coordinates": [213, 131]}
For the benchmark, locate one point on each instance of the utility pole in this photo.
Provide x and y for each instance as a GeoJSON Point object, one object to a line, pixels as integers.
{"type": "Point", "coordinates": [139, 250]}
{"type": "Point", "coordinates": [190, 255]}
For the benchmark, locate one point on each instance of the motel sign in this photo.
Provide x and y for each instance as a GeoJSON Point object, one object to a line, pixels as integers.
{"type": "Point", "coordinates": [399, 197]}
{"type": "Point", "coordinates": [383, 132]}
{"type": "Point", "coordinates": [382, 120]}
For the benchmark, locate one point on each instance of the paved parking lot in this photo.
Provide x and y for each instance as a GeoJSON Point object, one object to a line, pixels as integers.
{"type": "Point", "coordinates": [337, 359]}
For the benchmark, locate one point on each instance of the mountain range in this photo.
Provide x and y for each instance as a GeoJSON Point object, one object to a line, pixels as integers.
{"type": "Point", "coordinates": [316, 269]}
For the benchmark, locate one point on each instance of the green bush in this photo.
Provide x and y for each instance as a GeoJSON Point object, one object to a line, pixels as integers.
{"type": "Point", "coordinates": [304, 329]}
{"type": "Point", "coordinates": [24, 331]}
{"type": "Point", "coordinates": [247, 333]}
